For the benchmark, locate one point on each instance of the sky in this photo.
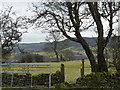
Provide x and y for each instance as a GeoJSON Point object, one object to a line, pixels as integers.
{"type": "Point", "coordinates": [21, 8]}
{"type": "Point", "coordinates": [33, 36]}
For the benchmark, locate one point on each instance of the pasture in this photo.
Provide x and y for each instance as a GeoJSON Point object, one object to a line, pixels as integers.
{"type": "Point", "coordinates": [72, 69]}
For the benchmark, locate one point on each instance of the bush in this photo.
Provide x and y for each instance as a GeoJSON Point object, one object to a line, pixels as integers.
{"type": "Point", "coordinates": [100, 80]}
{"type": "Point", "coordinates": [26, 58]}
{"type": "Point", "coordinates": [38, 58]}
{"type": "Point", "coordinates": [68, 54]}
{"type": "Point", "coordinates": [24, 80]}
{"type": "Point", "coordinates": [6, 79]}
{"type": "Point", "coordinates": [29, 57]}
{"type": "Point", "coordinates": [60, 86]}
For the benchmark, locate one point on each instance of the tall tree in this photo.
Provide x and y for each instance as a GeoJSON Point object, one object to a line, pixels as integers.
{"type": "Point", "coordinates": [108, 12]}
{"type": "Point", "coordinates": [74, 17]}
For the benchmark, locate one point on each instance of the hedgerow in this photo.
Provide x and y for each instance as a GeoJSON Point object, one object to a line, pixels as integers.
{"type": "Point", "coordinates": [24, 80]}
{"type": "Point", "coordinates": [100, 80]}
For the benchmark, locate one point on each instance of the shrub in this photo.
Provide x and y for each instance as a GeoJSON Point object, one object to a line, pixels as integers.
{"type": "Point", "coordinates": [38, 58]}
{"type": "Point", "coordinates": [29, 57]}
{"type": "Point", "coordinates": [60, 86]}
{"type": "Point", "coordinates": [6, 79]}
{"type": "Point", "coordinates": [100, 80]}
{"type": "Point", "coordinates": [68, 54]}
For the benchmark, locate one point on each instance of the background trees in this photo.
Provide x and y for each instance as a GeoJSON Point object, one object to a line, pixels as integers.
{"type": "Point", "coordinates": [74, 17]}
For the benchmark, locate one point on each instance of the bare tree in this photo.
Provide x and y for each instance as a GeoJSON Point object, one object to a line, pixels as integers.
{"type": "Point", "coordinates": [54, 38]}
{"type": "Point", "coordinates": [9, 25]}
{"type": "Point", "coordinates": [74, 17]}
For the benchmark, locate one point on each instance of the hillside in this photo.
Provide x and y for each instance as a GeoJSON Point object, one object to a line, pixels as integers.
{"type": "Point", "coordinates": [38, 47]}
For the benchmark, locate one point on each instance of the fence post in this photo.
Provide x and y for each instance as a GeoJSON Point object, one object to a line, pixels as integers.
{"type": "Point", "coordinates": [28, 69]}
{"type": "Point", "coordinates": [50, 82]}
{"type": "Point", "coordinates": [12, 79]}
{"type": "Point", "coordinates": [82, 68]}
{"type": "Point", "coordinates": [31, 81]}
{"type": "Point", "coordinates": [62, 73]}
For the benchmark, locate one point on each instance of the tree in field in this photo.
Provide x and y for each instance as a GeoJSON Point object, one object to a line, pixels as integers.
{"type": "Point", "coordinates": [9, 26]}
{"type": "Point", "coordinates": [75, 17]}
{"type": "Point", "coordinates": [54, 38]}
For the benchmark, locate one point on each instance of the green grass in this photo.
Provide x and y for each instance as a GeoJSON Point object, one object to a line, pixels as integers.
{"type": "Point", "coordinates": [72, 69]}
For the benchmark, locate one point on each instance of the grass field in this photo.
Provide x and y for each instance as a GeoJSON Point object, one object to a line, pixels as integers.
{"type": "Point", "coordinates": [72, 69]}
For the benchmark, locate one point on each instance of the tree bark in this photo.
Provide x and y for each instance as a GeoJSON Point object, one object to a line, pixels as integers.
{"type": "Point", "coordinates": [94, 67]}
{"type": "Point", "coordinates": [102, 66]}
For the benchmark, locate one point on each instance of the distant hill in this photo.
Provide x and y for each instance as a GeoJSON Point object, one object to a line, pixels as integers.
{"type": "Point", "coordinates": [90, 41]}
{"type": "Point", "coordinates": [38, 47]}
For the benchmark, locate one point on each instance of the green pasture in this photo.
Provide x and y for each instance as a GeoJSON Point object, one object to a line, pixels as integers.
{"type": "Point", "coordinates": [72, 69]}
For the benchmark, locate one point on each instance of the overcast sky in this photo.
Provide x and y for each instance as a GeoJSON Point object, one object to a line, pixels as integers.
{"type": "Point", "coordinates": [33, 36]}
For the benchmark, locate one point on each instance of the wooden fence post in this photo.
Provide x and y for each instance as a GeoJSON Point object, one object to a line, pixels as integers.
{"type": "Point", "coordinates": [27, 68]}
{"type": "Point", "coordinates": [82, 68]}
{"type": "Point", "coordinates": [62, 73]}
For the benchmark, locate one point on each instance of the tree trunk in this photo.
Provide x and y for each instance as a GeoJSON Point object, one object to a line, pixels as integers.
{"type": "Point", "coordinates": [55, 50]}
{"type": "Point", "coordinates": [94, 67]}
{"type": "Point", "coordinates": [56, 53]}
{"type": "Point", "coordinates": [102, 66]}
